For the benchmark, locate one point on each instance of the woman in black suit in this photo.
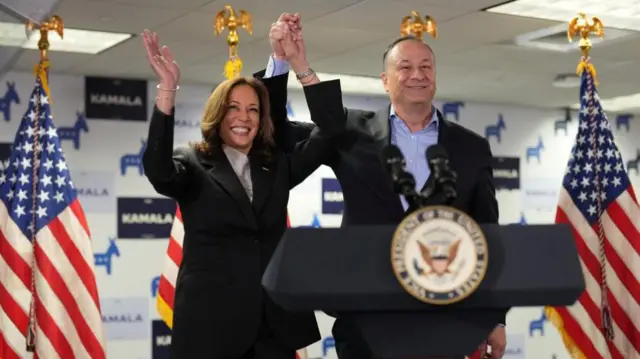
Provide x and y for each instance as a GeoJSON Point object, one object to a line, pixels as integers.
{"type": "Point", "coordinates": [233, 188]}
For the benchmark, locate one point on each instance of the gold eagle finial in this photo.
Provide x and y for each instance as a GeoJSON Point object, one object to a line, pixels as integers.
{"type": "Point", "coordinates": [54, 24]}
{"type": "Point", "coordinates": [582, 26]}
{"type": "Point", "coordinates": [414, 25]}
{"type": "Point", "coordinates": [227, 18]}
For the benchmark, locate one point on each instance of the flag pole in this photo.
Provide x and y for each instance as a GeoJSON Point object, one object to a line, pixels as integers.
{"type": "Point", "coordinates": [41, 71]}
{"type": "Point", "coordinates": [583, 27]}
{"type": "Point", "coordinates": [228, 18]}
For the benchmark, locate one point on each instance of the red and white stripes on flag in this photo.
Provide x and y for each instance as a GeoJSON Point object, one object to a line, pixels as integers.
{"type": "Point", "coordinates": [47, 279]}
{"type": "Point", "coordinates": [169, 276]}
{"type": "Point", "coordinates": [598, 202]}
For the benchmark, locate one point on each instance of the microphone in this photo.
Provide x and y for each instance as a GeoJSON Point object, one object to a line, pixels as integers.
{"type": "Point", "coordinates": [403, 182]}
{"type": "Point", "coordinates": [393, 160]}
{"type": "Point", "coordinates": [444, 177]}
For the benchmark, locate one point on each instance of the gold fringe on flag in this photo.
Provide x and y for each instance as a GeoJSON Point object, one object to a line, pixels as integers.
{"type": "Point", "coordinates": [41, 71]}
{"type": "Point", "coordinates": [227, 19]}
{"type": "Point", "coordinates": [556, 320]}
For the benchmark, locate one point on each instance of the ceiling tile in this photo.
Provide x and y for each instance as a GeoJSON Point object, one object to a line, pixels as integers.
{"type": "Point", "coordinates": [621, 50]}
{"type": "Point", "coordinates": [351, 62]}
{"type": "Point", "coordinates": [114, 17]}
{"type": "Point", "coordinates": [461, 5]}
{"type": "Point", "coordinates": [487, 28]}
{"type": "Point", "coordinates": [199, 27]}
{"type": "Point", "coordinates": [509, 59]}
{"type": "Point", "coordinates": [181, 5]}
{"type": "Point", "coordinates": [34, 10]}
{"type": "Point", "coordinates": [210, 70]}
{"type": "Point", "coordinates": [270, 12]}
{"type": "Point", "coordinates": [60, 61]}
{"type": "Point", "coordinates": [254, 57]}
{"type": "Point", "coordinates": [382, 16]}
{"type": "Point", "coordinates": [136, 63]}
{"type": "Point", "coordinates": [338, 40]}
{"type": "Point", "coordinates": [347, 62]}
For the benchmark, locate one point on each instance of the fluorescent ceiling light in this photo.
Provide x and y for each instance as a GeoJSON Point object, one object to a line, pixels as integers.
{"type": "Point", "coordinates": [82, 41]}
{"type": "Point", "coordinates": [621, 14]}
{"type": "Point", "coordinates": [348, 83]}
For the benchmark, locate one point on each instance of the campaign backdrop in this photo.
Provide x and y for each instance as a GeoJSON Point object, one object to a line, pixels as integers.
{"type": "Point", "coordinates": [103, 127]}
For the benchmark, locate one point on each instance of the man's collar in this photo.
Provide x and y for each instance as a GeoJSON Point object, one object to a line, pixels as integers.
{"type": "Point", "coordinates": [434, 116]}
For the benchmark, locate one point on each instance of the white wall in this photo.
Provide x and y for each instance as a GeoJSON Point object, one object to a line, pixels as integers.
{"type": "Point", "coordinates": [95, 168]}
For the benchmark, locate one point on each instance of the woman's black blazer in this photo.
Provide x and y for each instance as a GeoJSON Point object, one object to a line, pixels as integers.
{"type": "Point", "coordinates": [229, 240]}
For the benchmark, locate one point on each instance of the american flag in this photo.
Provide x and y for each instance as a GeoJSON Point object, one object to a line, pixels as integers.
{"type": "Point", "coordinates": [57, 267]}
{"type": "Point", "coordinates": [598, 202]}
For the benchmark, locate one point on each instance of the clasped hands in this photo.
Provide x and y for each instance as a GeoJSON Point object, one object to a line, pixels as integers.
{"type": "Point", "coordinates": [287, 43]}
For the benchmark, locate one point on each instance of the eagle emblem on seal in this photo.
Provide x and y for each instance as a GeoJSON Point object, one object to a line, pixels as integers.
{"type": "Point", "coordinates": [439, 257]}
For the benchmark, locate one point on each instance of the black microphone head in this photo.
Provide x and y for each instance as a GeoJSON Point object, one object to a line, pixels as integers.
{"type": "Point", "coordinates": [407, 178]}
{"type": "Point", "coordinates": [406, 184]}
{"type": "Point", "coordinates": [437, 152]}
{"type": "Point", "coordinates": [392, 156]}
{"type": "Point", "coordinates": [391, 152]}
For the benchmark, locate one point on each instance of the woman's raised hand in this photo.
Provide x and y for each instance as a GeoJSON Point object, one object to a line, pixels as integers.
{"type": "Point", "coordinates": [161, 61]}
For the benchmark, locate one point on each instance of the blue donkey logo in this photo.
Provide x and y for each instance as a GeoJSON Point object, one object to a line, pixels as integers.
{"type": "Point", "coordinates": [537, 325]}
{"type": "Point", "coordinates": [328, 343]}
{"type": "Point", "coordinates": [495, 130]}
{"type": "Point", "coordinates": [315, 223]}
{"type": "Point", "coordinates": [634, 164]}
{"type": "Point", "coordinates": [523, 219]}
{"type": "Point", "coordinates": [105, 259]}
{"type": "Point", "coordinates": [535, 151]}
{"type": "Point", "coordinates": [561, 125]}
{"type": "Point", "coordinates": [453, 109]}
{"type": "Point", "coordinates": [133, 160]}
{"type": "Point", "coordinates": [10, 96]}
{"type": "Point", "coordinates": [623, 120]}
{"type": "Point", "coordinates": [155, 284]}
{"type": "Point", "coordinates": [73, 133]}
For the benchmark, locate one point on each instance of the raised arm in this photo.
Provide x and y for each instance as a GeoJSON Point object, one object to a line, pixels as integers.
{"type": "Point", "coordinates": [287, 133]}
{"type": "Point", "coordinates": [166, 170]}
{"type": "Point", "coordinates": [325, 107]}
{"type": "Point", "coordinates": [275, 77]}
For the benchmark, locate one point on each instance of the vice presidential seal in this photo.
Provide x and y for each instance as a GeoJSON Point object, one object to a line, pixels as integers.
{"type": "Point", "coordinates": [439, 255]}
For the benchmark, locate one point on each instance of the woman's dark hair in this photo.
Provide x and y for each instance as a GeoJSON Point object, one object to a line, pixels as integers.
{"type": "Point", "coordinates": [216, 108]}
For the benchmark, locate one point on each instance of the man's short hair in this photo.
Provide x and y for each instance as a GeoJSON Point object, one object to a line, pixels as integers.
{"type": "Point", "coordinates": [399, 40]}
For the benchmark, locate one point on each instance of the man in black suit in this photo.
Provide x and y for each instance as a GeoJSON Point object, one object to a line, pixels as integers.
{"type": "Point", "coordinates": [412, 123]}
